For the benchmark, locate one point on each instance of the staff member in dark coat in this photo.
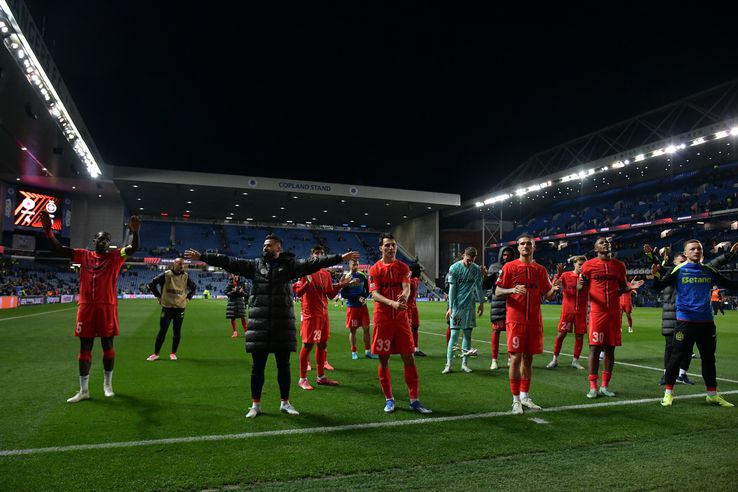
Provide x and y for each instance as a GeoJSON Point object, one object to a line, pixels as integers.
{"type": "Point", "coordinates": [237, 293]}
{"type": "Point", "coordinates": [177, 288]}
{"type": "Point", "coordinates": [271, 324]}
{"type": "Point", "coordinates": [497, 305]}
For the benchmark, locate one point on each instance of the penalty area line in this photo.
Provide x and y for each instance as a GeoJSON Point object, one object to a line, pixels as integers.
{"type": "Point", "coordinates": [337, 428]}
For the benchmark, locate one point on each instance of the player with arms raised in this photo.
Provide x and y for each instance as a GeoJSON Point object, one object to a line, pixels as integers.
{"type": "Point", "coordinates": [97, 311]}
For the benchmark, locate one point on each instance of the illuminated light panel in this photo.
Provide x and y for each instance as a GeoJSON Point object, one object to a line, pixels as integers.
{"type": "Point", "coordinates": [639, 158]}
{"type": "Point", "coordinates": [721, 134]}
{"type": "Point", "coordinates": [20, 48]}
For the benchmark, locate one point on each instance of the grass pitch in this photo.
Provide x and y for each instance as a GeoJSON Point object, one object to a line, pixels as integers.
{"type": "Point", "coordinates": [180, 425]}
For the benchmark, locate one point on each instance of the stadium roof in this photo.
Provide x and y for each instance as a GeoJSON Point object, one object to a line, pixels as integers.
{"type": "Point", "coordinates": [252, 199]}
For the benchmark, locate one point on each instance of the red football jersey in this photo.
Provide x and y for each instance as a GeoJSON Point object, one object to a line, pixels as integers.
{"type": "Point", "coordinates": [524, 308]}
{"type": "Point", "coordinates": [313, 293]}
{"type": "Point", "coordinates": [605, 277]}
{"type": "Point", "coordinates": [98, 275]}
{"type": "Point", "coordinates": [574, 301]}
{"type": "Point", "coordinates": [414, 282]}
{"type": "Point", "coordinates": [387, 279]}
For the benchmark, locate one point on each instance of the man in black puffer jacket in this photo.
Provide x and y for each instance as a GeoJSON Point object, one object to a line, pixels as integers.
{"type": "Point", "coordinates": [497, 305]}
{"type": "Point", "coordinates": [667, 297]}
{"type": "Point", "coordinates": [271, 324]}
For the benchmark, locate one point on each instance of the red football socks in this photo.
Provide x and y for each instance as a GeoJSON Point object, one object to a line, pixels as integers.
{"type": "Point", "coordinates": [385, 382]}
{"type": "Point", "coordinates": [557, 346]}
{"type": "Point", "coordinates": [495, 344]}
{"type": "Point", "coordinates": [578, 342]}
{"type": "Point", "coordinates": [593, 381]}
{"type": "Point", "coordinates": [411, 379]}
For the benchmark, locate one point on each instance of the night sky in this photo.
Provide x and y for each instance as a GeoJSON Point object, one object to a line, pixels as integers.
{"type": "Point", "coordinates": [440, 99]}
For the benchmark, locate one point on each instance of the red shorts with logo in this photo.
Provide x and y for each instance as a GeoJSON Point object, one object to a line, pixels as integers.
{"type": "Point", "coordinates": [498, 325]}
{"type": "Point", "coordinates": [357, 316]}
{"type": "Point", "coordinates": [315, 330]}
{"type": "Point", "coordinates": [576, 321]}
{"type": "Point", "coordinates": [412, 315]}
{"type": "Point", "coordinates": [96, 320]}
{"type": "Point", "coordinates": [392, 337]}
{"type": "Point", "coordinates": [604, 329]}
{"type": "Point", "coordinates": [524, 338]}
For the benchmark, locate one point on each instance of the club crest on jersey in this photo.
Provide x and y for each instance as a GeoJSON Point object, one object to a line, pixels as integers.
{"type": "Point", "coordinates": [679, 336]}
{"type": "Point", "coordinates": [264, 271]}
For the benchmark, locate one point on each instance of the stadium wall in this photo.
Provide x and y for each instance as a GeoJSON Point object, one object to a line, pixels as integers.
{"type": "Point", "coordinates": [92, 215]}
{"type": "Point", "coordinates": [419, 237]}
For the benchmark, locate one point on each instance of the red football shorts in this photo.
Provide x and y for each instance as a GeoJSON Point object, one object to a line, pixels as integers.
{"type": "Point", "coordinates": [576, 321]}
{"type": "Point", "coordinates": [628, 308]}
{"type": "Point", "coordinates": [96, 320]}
{"type": "Point", "coordinates": [524, 338]}
{"type": "Point", "coordinates": [392, 337]}
{"type": "Point", "coordinates": [498, 325]}
{"type": "Point", "coordinates": [604, 328]}
{"type": "Point", "coordinates": [357, 316]}
{"type": "Point", "coordinates": [412, 314]}
{"type": "Point", "coordinates": [315, 330]}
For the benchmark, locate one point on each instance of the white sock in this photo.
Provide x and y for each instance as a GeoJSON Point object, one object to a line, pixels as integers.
{"type": "Point", "coordinates": [108, 378]}
{"type": "Point", "coordinates": [668, 392]}
{"type": "Point", "coordinates": [682, 372]}
{"type": "Point", "coordinates": [302, 380]}
{"type": "Point", "coordinates": [84, 383]}
{"type": "Point", "coordinates": [463, 360]}
{"type": "Point", "coordinates": [256, 405]}
{"type": "Point", "coordinates": [556, 358]}
{"type": "Point", "coordinates": [711, 393]}
{"type": "Point", "coordinates": [516, 398]}
{"type": "Point", "coordinates": [575, 360]}
{"type": "Point", "coordinates": [523, 395]}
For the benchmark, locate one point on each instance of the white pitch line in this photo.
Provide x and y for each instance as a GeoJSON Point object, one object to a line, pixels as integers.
{"type": "Point", "coordinates": [538, 421]}
{"type": "Point", "coordinates": [37, 314]}
{"type": "Point", "coordinates": [659, 369]}
{"type": "Point", "coordinates": [336, 428]}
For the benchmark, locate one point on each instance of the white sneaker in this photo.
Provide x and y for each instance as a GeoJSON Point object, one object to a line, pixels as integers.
{"type": "Point", "coordinates": [446, 369]}
{"type": "Point", "coordinates": [576, 365]}
{"type": "Point", "coordinates": [253, 412]}
{"type": "Point", "coordinates": [152, 357]}
{"type": "Point", "coordinates": [528, 403]}
{"type": "Point", "coordinates": [494, 365]}
{"type": "Point", "coordinates": [465, 368]}
{"type": "Point", "coordinates": [287, 408]}
{"type": "Point", "coordinates": [108, 390]}
{"type": "Point", "coordinates": [517, 408]}
{"type": "Point", "coordinates": [81, 395]}
{"type": "Point", "coordinates": [630, 329]}
{"type": "Point", "coordinates": [553, 364]}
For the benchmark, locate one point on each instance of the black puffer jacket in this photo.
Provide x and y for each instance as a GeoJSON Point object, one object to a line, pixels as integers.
{"type": "Point", "coordinates": [496, 304]}
{"type": "Point", "coordinates": [237, 295]}
{"type": "Point", "coordinates": [271, 325]}
{"type": "Point", "coordinates": [667, 296]}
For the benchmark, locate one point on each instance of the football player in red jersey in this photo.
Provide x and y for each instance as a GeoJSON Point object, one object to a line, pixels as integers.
{"type": "Point", "coordinates": [97, 312]}
{"type": "Point", "coordinates": [604, 279]}
{"type": "Point", "coordinates": [314, 291]}
{"type": "Point", "coordinates": [523, 282]}
{"type": "Point", "coordinates": [573, 312]}
{"type": "Point", "coordinates": [626, 306]}
{"type": "Point", "coordinates": [389, 283]}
